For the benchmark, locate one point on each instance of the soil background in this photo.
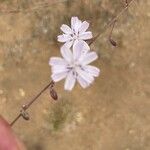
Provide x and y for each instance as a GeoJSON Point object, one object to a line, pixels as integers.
{"type": "Point", "coordinates": [112, 114]}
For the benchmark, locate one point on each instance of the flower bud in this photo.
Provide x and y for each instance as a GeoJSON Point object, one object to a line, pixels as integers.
{"type": "Point", "coordinates": [53, 94]}
{"type": "Point", "coordinates": [113, 42]}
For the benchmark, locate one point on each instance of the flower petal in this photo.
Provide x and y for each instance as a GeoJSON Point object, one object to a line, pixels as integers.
{"type": "Point", "coordinates": [84, 26]}
{"type": "Point", "coordinates": [66, 29]}
{"type": "Point", "coordinates": [79, 48]}
{"type": "Point", "coordinates": [59, 69]}
{"type": "Point", "coordinates": [94, 71]}
{"type": "Point", "coordinates": [83, 74]}
{"type": "Point", "coordinates": [64, 38]}
{"type": "Point", "coordinates": [86, 47]}
{"type": "Point", "coordinates": [75, 24]}
{"type": "Point", "coordinates": [86, 35]}
{"type": "Point", "coordinates": [88, 58]}
{"type": "Point", "coordinates": [82, 82]}
{"type": "Point", "coordinates": [70, 81]}
{"type": "Point", "coordinates": [57, 61]}
{"type": "Point", "coordinates": [66, 53]}
{"type": "Point", "coordinates": [69, 44]}
{"type": "Point", "coordinates": [59, 76]}
{"type": "Point", "coordinates": [73, 21]}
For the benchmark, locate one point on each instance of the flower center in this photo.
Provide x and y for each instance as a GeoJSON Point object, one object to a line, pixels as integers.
{"type": "Point", "coordinates": [74, 66]}
{"type": "Point", "coordinates": [75, 36]}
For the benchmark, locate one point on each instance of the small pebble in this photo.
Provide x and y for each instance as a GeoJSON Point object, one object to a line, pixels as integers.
{"type": "Point", "coordinates": [132, 64]}
{"type": "Point", "coordinates": [3, 100]}
{"type": "Point", "coordinates": [131, 131]}
{"type": "Point", "coordinates": [45, 31]}
{"type": "Point", "coordinates": [21, 92]}
{"type": "Point", "coordinates": [45, 111]}
{"type": "Point", "coordinates": [1, 67]}
{"type": "Point", "coordinates": [79, 117]}
{"type": "Point", "coordinates": [1, 92]}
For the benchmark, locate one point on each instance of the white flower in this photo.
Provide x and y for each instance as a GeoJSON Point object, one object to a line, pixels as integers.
{"type": "Point", "coordinates": [74, 66]}
{"type": "Point", "coordinates": [77, 32]}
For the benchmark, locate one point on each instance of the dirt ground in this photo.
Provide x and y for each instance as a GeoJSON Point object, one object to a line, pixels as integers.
{"type": "Point", "coordinates": [112, 114]}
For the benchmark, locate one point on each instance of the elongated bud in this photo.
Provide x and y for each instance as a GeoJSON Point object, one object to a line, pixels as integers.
{"type": "Point", "coordinates": [53, 94]}
{"type": "Point", "coordinates": [126, 1]}
{"type": "Point", "coordinates": [110, 35]}
{"type": "Point", "coordinates": [113, 42]}
{"type": "Point", "coordinates": [24, 114]}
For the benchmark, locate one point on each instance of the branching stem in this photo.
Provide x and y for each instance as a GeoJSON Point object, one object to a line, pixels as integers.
{"type": "Point", "coordinates": [112, 22]}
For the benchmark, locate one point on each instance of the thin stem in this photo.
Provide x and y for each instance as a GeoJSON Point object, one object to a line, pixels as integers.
{"type": "Point", "coordinates": [112, 22]}
{"type": "Point", "coordinates": [113, 25]}
{"type": "Point", "coordinates": [110, 35]}
{"type": "Point", "coordinates": [26, 106]}
{"type": "Point", "coordinates": [15, 120]}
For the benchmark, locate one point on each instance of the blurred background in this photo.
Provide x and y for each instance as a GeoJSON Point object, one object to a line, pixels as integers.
{"type": "Point", "coordinates": [112, 114]}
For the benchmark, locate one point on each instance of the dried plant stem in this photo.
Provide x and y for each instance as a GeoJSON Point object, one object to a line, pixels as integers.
{"type": "Point", "coordinates": [112, 22]}
{"type": "Point", "coordinates": [23, 112]}
{"type": "Point", "coordinates": [15, 120]}
{"type": "Point", "coordinates": [113, 25]}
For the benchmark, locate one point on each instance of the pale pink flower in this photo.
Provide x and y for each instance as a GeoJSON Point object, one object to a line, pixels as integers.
{"type": "Point", "coordinates": [77, 32]}
{"type": "Point", "coordinates": [74, 66]}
